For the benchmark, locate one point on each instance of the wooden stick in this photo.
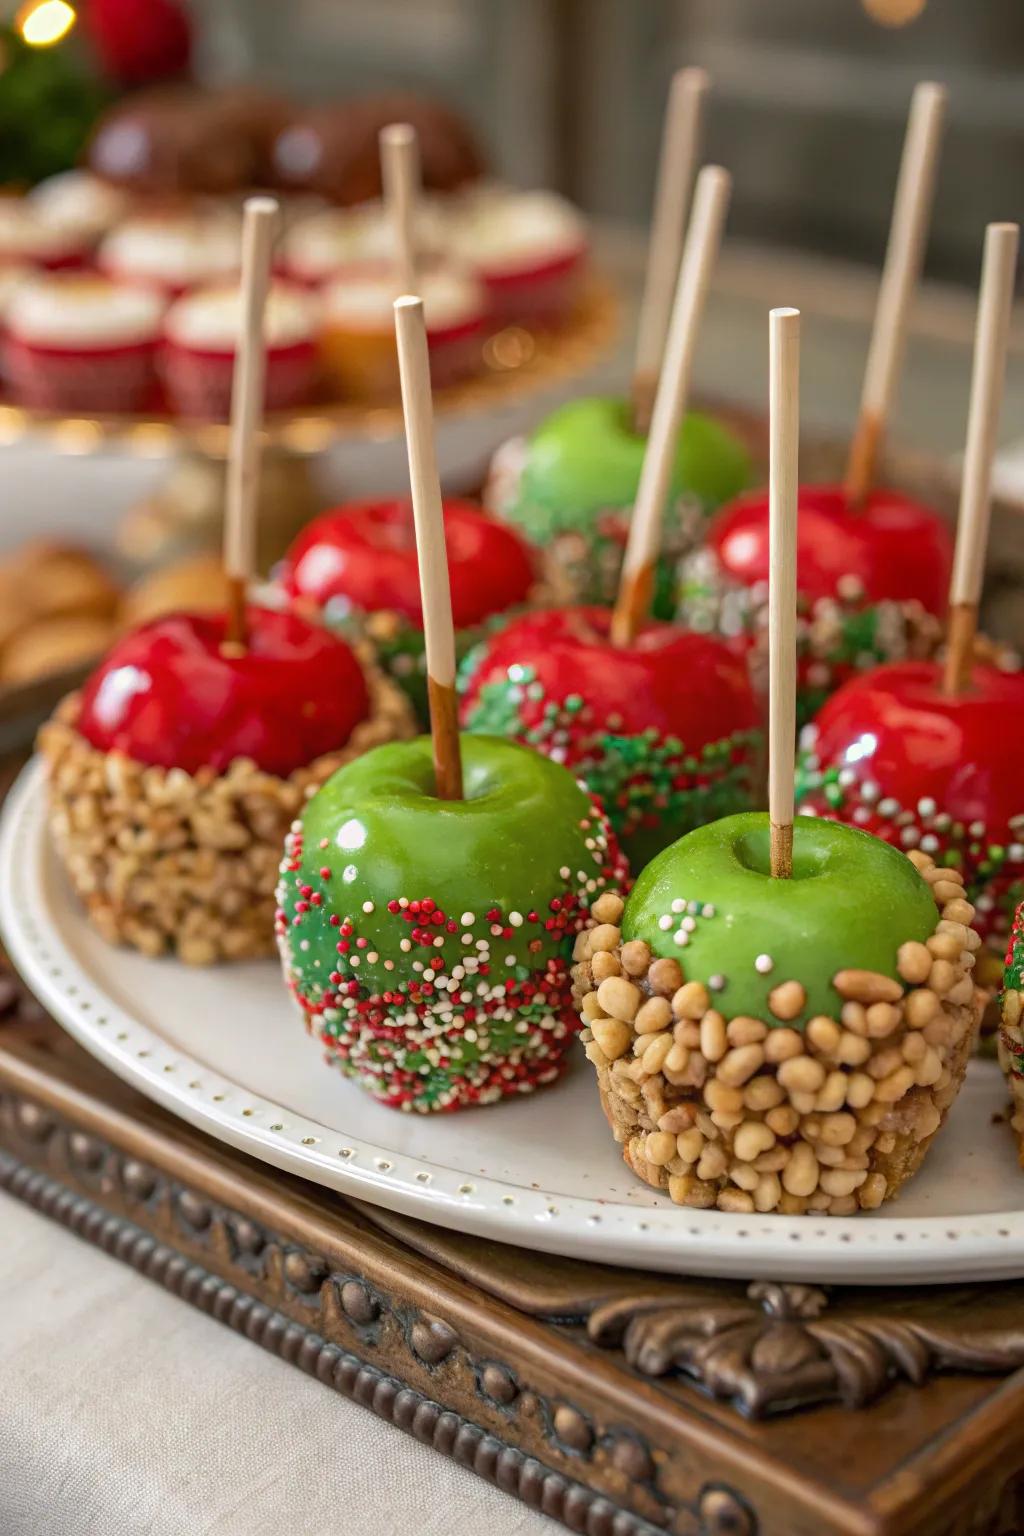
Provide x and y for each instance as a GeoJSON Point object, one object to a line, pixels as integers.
{"type": "Point", "coordinates": [783, 496]}
{"type": "Point", "coordinates": [243, 475]}
{"type": "Point", "coordinates": [908, 231]}
{"type": "Point", "coordinates": [710, 205]}
{"type": "Point", "coordinates": [680, 144]}
{"type": "Point", "coordinates": [435, 591]}
{"type": "Point", "coordinates": [991, 337]}
{"type": "Point", "coordinates": [400, 172]}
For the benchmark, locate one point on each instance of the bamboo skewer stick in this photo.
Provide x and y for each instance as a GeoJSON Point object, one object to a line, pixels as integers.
{"type": "Point", "coordinates": [988, 373]}
{"type": "Point", "coordinates": [400, 172]}
{"type": "Point", "coordinates": [677, 164]}
{"type": "Point", "coordinates": [908, 232]}
{"type": "Point", "coordinates": [243, 472]}
{"type": "Point", "coordinates": [783, 497]}
{"type": "Point", "coordinates": [435, 590]}
{"type": "Point", "coordinates": [710, 205]}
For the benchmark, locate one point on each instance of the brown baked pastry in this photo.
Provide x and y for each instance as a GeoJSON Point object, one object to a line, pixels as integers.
{"type": "Point", "coordinates": [196, 583]}
{"type": "Point", "coordinates": [57, 579]}
{"type": "Point", "coordinates": [181, 140]}
{"type": "Point", "coordinates": [54, 645]}
{"type": "Point", "coordinates": [332, 149]}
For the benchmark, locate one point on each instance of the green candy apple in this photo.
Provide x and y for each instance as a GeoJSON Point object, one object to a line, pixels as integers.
{"type": "Point", "coordinates": [580, 477]}
{"type": "Point", "coordinates": [710, 902]}
{"type": "Point", "coordinates": [428, 942]}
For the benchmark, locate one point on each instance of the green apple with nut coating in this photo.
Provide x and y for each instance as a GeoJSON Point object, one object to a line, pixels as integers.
{"type": "Point", "coordinates": [710, 902]}
{"type": "Point", "coordinates": [428, 942]}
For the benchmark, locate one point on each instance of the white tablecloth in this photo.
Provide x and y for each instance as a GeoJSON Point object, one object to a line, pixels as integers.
{"type": "Point", "coordinates": [124, 1412]}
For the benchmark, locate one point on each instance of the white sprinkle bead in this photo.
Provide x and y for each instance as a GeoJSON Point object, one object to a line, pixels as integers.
{"type": "Point", "coordinates": [367, 906]}
{"type": "Point", "coordinates": [763, 964]}
{"type": "Point", "coordinates": [678, 905]}
{"type": "Point", "coordinates": [665, 923]}
{"type": "Point", "coordinates": [681, 937]}
{"type": "Point", "coordinates": [468, 919]}
{"type": "Point", "coordinates": [515, 919]}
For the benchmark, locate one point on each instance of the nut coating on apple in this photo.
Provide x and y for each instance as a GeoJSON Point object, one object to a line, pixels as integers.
{"type": "Point", "coordinates": [175, 774]}
{"type": "Point", "coordinates": [781, 1045]}
{"type": "Point", "coordinates": [570, 487]}
{"type": "Point", "coordinates": [872, 584]}
{"type": "Point", "coordinates": [1011, 1034]}
{"type": "Point", "coordinates": [427, 942]}
{"type": "Point", "coordinates": [356, 567]}
{"type": "Point", "coordinates": [893, 753]}
{"type": "Point", "coordinates": [664, 732]}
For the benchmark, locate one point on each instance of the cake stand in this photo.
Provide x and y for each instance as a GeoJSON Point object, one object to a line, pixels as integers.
{"type": "Point", "coordinates": [328, 450]}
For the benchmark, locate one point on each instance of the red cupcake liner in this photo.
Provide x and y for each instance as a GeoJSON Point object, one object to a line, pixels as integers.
{"type": "Point", "coordinates": [541, 295]}
{"type": "Point", "coordinates": [105, 379]}
{"type": "Point", "coordinates": [198, 383]}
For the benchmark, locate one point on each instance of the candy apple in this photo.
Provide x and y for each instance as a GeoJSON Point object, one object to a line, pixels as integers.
{"type": "Point", "coordinates": [1011, 1033]}
{"type": "Point", "coordinates": [893, 753]}
{"type": "Point", "coordinates": [177, 771]}
{"type": "Point", "coordinates": [428, 942]}
{"type": "Point", "coordinates": [850, 904]}
{"type": "Point", "coordinates": [570, 487]}
{"type": "Point", "coordinates": [780, 1044]}
{"type": "Point", "coordinates": [663, 731]}
{"type": "Point", "coordinates": [872, 584]}
{"type": "Point", "coordinates": [173, 695]}
{"type": "Point", "coordinates": [356, 566]}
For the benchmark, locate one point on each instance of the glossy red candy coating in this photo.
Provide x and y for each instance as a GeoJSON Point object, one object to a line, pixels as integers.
{"type": "Point", "coordinates": [167, 694]}
{"type": "Point", "coordinates": [365, 552]}
{"type": "Point", "coordinates": [670, 680]}
{"type": "Point", "coordinates": [896, 548]}
{"type": "Point", "coordinates": [894, 728]}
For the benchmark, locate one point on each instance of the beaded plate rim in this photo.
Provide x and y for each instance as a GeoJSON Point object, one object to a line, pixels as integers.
{"type": "Point", "coordinates": [847, 1250]}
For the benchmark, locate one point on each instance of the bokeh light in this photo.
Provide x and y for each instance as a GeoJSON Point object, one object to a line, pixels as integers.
{"type": "Point", "coordinates": [42, 23]}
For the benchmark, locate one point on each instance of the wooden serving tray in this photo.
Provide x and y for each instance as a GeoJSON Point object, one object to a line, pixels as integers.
{"type": "Point", "coordinates": [620, 1403]}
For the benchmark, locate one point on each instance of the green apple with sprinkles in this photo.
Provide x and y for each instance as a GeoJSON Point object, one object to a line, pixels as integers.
{"type": "Point", "coordinates": [428, 942]}
{"type": "Point", "coordinates": [429, 905]}
{"type": "Point", "coordinates": [570, 486]}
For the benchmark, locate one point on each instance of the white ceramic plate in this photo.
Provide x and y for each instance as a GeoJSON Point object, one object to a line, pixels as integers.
{"type": "Point", "coordinates": [224, 1050]}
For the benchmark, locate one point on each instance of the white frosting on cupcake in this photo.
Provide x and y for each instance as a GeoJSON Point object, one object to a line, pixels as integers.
{"type": "Point", "coordinates": [210, 319]}
{"type": "Point", "coordinates": [79, 201]}
{"type": "Point", "coordinates": [316, 247]}
{"type": "Point", "coordinates": [82, 312]}
{"type": "Point", "coordinates": [361, 299]}
{"type": "Point", "coordinates": [12, 276]}
{"type": "Point", "coordinates": [26, 235]}
{"type": "Point", "coordinates": [174, 252]}
{"type": "Point", "coordinates": [500, 229]}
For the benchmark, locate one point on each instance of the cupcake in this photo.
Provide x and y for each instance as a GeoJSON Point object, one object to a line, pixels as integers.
{"type": "Point", "coordinates": [29, 238]}
{"type": "Point", "coordinates": [80, 203]}
{"type": "Point", "coordinates": [358, 328]}
{"type": "Point", "coordinates": [322, 245]}
{"type": "Point", "coordinates": [530, 249]}
{"type": "Point", "coordinates": [197, 358]}
{"type": "Point", "coordinates": [333, 148]}
{"type": "Point", "coordinates": [172, 252]}
{"type": "Point", "coordinates": [81, 343]}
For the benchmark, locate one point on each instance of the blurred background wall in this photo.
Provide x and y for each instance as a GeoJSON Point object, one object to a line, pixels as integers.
{"type": "Point", "coordinates": [808, 109]}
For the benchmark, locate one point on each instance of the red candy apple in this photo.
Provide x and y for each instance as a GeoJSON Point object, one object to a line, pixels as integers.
{"type": "Point", "coordinates": [171, 694]}
{"type": "Point", "coordinates": [867, 579]}
{"type": "Point", "coordinates": [893, 753]}
{"type": "Point", "coordinates": [664, 731]}
{"type": "Point", "coordinates": [357, 566]}
{"type": "Point", "coordinates": [363, 556]}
